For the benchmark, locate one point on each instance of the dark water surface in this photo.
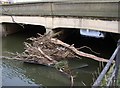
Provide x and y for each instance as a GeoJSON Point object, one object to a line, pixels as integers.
{"type": "Point", "coordinates": [17, 73]}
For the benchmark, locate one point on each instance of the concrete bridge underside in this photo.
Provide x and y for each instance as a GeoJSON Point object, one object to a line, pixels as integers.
{"type": "Point", "coordinates": [63, 22]}
{"type": "Point", "coordinates": [101, 16]}
{"type": "Point", "coordinates": [78, 8]}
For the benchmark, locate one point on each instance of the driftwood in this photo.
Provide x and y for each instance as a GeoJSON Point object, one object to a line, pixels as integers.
{"type": "Point", "coordinates": [46, 50]}
{"type": "Point", "coordinates": [79, 53]}
{"type": "Point", "coordinates": [9, 58]}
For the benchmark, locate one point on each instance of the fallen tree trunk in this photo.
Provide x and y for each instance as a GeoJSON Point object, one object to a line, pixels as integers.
{"type": "Point", "coordinates": [79, 53]}
{"type": "Point", "coordinates": [47, 50]}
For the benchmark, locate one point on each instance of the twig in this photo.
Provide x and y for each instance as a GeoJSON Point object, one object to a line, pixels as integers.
{"type": "Point", "coordinates": [13, 58]}
{"type": "Point", "coordinates": [89, 49]}
{"type": "Point", "coordinates": [10, 53]}
{"type": "Point", "coordinates": [72, 81]}
{"type": "Point", "coordinates": [83, 83]}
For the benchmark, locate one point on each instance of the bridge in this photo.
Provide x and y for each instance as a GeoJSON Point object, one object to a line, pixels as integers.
{"type": "Point", "coordinates": [94, 14]}
{"type": "Point", "coordinates": [100, 15]}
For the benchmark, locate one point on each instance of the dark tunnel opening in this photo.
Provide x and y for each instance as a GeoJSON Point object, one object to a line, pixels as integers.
{"type": "Point", "coordinates": [32, 30]}
{"type": "Point", "coordinates": [24, 29]}
{"type": "Point", "coordinates": [102, 47]}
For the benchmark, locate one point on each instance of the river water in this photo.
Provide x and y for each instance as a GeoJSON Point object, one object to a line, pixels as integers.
{"type": "Point", "coordinates": [17, 73]}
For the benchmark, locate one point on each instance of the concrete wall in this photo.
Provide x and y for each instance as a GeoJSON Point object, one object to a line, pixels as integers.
{"type": "Point", "coordinates": [10, 28]}
{"type": "Point", "coordinates": [72, 1]}
{"type": "Point", "coordinates": [65, 22]}
{"type": "Point", "coordinates": [79, 9]}
{"type": "Point", "coordinates": [0, 30]}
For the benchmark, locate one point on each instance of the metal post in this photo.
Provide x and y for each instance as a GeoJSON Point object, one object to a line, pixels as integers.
{"type": "Point", "coordinates": [102, 74]}
{"type": "Point", "coordinates": [117, 63]}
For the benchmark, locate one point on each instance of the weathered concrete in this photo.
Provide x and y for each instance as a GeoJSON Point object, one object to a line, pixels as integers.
{"type": "Point", "coordinates": [10, 28]}
{"type": "Point", "coordinates": [65, 22]}
{"type": "Point", "coordinates": [75, 1]}
{"type": "Point", "coordinates": [78, 8]}
{"type": "Point", "coordinates": [65, 14]}
{"type": "Point", "coordinates": [0, 30]}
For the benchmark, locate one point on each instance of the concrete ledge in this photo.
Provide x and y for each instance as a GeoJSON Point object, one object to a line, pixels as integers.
{"type": "Point", "coordinates": [77, 8]}
{"type": "Point", "coordinates": [65, 22]}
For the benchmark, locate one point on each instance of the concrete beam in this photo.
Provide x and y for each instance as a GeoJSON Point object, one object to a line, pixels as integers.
{"type": "Point", "coordinates": [75, 8]}
{"type": "Point", "coordinates": [65, 22]}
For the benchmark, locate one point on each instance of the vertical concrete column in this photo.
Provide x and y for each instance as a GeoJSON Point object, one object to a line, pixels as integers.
{"type": "Point", "coordinates": [49, 31]}
{"type": "Point", "coordinates": [0, 30]}
{"type": "Point", "coordinates": [3, 30]}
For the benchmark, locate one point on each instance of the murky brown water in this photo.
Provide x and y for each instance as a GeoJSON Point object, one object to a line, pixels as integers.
{"type": "Point", "coordinates": [17, 73]}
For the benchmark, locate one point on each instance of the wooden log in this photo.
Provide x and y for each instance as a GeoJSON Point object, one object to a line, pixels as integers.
{"type": "Point", "coordinates": [46, 56]}
{"type": "Point", "coordinates": [77, 52]}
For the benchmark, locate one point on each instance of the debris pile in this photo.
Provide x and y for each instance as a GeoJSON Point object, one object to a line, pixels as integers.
{"type": "Point", "coordinates": [47, 50]}
{"type": "Point", "coordinates": [44, 50]}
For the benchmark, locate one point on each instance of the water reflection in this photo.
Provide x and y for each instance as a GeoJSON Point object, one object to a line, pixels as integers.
{"type": "Point", "coordinates": [17, 73]}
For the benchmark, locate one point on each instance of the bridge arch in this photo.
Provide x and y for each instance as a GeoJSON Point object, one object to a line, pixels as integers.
{"type": "Point", "coordinates": [28, 29]}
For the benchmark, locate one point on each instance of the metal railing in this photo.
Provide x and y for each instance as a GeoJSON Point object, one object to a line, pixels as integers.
{"type": "Point", "coordinates": [114, 76]}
